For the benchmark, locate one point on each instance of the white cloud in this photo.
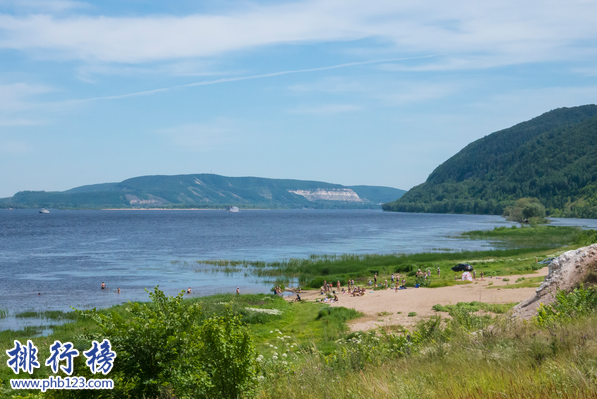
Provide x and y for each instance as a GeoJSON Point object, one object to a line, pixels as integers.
{"type": "Point", "coordinates": [16, 97]}
{"type": "Point", "coordinates": [326, 109]}
{"type": "Point", "coordinates": [476, 32]}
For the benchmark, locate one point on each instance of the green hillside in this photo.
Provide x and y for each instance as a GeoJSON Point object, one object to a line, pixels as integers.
{"type": "Point", "coordinates": [208, 190]}
{"type": "Point", "coordinates": [552, 157]}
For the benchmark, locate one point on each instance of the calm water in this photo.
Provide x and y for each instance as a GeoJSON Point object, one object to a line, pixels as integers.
{"type": "Point", "coordinates": [57, 260]}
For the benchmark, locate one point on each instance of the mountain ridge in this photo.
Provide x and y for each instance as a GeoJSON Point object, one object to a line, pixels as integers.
{"type": "Point", "coordinates": [207, 190]}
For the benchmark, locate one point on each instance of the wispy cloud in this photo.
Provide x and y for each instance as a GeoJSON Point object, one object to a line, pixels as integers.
{"type": "Point", "coordinates": [17, 96]}
{"type": "Point", "coordinates": [529, 31]}
{"type": "Point", "coordinates": [228, 80]}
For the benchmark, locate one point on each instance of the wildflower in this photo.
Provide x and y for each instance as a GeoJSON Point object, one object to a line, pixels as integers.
{"type": "Point", "coordinates": [284, 363]}
{"type": "Point", "coordinates": [261, 378]}
{"type": "Point", "coordinates": [275, 357]}
{"type": "Point", "coordinates": [284, 355]}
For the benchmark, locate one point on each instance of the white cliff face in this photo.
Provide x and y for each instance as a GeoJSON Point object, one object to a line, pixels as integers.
{"type": "Point", "coordinates": [334, 194]}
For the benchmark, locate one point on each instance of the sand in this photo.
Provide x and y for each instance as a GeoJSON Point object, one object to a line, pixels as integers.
{"type": "Point", "coordinates": [420, 300]}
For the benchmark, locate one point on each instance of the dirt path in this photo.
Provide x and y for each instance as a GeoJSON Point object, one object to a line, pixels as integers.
{"type": "Point", "coordinates": [420, 300]}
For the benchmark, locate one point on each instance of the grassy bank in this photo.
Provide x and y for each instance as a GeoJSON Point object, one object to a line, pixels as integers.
{"type": "Point", "coordinates": [521, 247]}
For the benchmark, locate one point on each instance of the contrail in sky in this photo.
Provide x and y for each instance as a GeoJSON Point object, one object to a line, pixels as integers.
{"type": "Point", "coordinates": [265, 75]}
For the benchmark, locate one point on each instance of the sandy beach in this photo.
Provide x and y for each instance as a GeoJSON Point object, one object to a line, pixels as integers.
{"type": "Point", "coordinates": [420, 300]}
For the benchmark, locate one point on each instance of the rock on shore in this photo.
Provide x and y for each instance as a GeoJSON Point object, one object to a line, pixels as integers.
{"type": "Point", "coordinates": [566, 272]}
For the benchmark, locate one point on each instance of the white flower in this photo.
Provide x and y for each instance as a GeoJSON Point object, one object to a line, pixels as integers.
{"type": "Point", "coordinates": [275, 353]}
{"type": "Point", "coordinates": [271, 332]}
{"type": "Point", "coordinates": [285, 363]}
{"type": "Point", "coordinates": [271, 346]}
{"type": "Point", "coordinates": [275, 357]}
{"type": "Point", "coordinates": [284, 355]}
{"type": "Point", "coordinates": [261, 378]}
{"type": "Point", "coordinates": [279, 332]}
{"type": "Point", "coordinates": [275, 347]}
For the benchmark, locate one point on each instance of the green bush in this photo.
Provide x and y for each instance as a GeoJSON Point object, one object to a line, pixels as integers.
{"type": "Point", "coordinates": [163, 349]}
{"type": "Point", "coordinates": [567, 306]}
{"type": "Point", "coordinates": [412, 314]}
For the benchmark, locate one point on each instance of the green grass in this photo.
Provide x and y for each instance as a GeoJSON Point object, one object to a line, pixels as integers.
{"type": "Point", "coordinates": [529, 282]}
{"type": "Point", "coordinates": [48, 314]}
{"type": "Point", "coordinates": [515, 361]}
{"type": "Point", "coordinates": [475, 307]}
{"type": "Point", "coordinates": [527, 236]}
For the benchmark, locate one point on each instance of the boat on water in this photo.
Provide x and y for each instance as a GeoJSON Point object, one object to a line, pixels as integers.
{"type": "Point", "coordinates": [44, 210]}
{"type": "Point", "coordinates": [232, 209]}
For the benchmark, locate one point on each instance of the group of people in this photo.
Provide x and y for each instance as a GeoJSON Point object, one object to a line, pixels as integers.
{"type": "Point", "coordinates": [103, 286]}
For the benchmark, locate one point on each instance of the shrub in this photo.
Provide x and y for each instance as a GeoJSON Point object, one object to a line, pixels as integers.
{"type": "Point", "coordinates": [163, 349]}
{"type": "Point", "coordinates": [568, 306]}
{"type": "Point", "coordinates": [412, 314]}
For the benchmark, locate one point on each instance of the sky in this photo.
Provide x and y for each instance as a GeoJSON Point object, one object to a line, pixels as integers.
{"type": "Point", "coordinates": [351, 92]}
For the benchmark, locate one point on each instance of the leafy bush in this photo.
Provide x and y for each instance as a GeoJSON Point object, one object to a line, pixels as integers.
{"type": "Point", "coordinates": [567, 306]}
{"type": "Point", "coordinates": [412, 314]}
{"type": "Point", "coordinates": [163, 349]}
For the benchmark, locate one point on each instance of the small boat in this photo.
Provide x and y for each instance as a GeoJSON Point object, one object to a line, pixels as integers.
{"type": "Point", "coordinates": [232, 209]}
{"type": "Point", "coordinates": [44, 210]}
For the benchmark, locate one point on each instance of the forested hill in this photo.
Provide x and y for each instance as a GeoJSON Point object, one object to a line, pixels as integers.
{"type": "Point", "coordinates": [552, 157]}
{"type": "Point", "coordinates": [207, 191]}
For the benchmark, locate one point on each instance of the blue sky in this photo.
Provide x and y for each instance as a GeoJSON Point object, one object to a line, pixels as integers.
{"type": "Point", "coordinates": [350, 92]}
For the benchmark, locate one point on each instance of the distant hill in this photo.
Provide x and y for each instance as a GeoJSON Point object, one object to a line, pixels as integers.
{"type": "Point", "coordinates": [552, 157]}
{"type": "Point", "coordinates": [208, 190]}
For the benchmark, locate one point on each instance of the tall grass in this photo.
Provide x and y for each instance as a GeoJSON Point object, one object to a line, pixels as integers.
{"type": "Point", "coordinates": [512, 360]}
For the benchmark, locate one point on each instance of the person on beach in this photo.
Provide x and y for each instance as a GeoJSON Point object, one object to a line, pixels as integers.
{"type": "Point", "coordinates": [338, 285]}
{"type": "Point", "coordinates": [237, 290]}
{"type": "Point", "coordinates": [386, 284]}
{"type": "Point", "coordinates": [298, 298]}
{"type": "Point", "coordinates": [474, 274]}
{"type": "Point", "coordinates": [392, 278]}
{"type": "Point", "coordinates": [335, 298]}
{"type": "Point", "coordinates": [403, 283]}
{"type": "Point", "coordinates": [375, 278]}
{"type": "Point", "coordinates": [189, 290]}
{"type": "Point", "coordinates": [325, 286]}
{"type": "Point", "coordinates": [103, 285]}
{"type": "Point", "coordinates": [438, 271]}
{"type": "Point", "coordinates": [481, 274]}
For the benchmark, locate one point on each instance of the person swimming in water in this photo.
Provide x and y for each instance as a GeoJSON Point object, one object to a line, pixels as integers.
{"type": "Point", "coordinates": [238, 290]}
{"type": "Point", "coordinates": [103, 285]}
{"type": "Point", "coordinates": [119, 290]}
{"type": "Point", "coordinates": [189, 290]}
